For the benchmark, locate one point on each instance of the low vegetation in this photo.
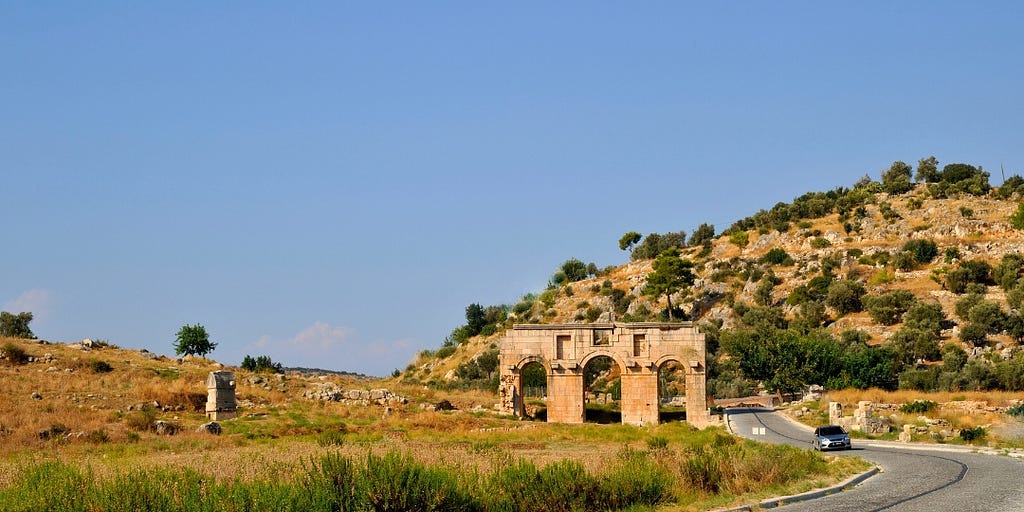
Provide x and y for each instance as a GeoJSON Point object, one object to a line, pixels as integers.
{"type": "Point", "coordinates": [678, 466]}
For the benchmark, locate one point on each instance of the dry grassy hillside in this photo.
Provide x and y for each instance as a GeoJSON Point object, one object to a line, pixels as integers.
{"type": "Point", "coordinates": [964, 228]}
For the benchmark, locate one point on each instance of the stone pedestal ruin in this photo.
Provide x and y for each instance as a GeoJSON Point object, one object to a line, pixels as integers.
{"type": "Point", "coordinates": [639, 350]}
{"type": "Point", "coordinates": [220, 401]}
{"type": "Point", "coordinates": [835, 412]}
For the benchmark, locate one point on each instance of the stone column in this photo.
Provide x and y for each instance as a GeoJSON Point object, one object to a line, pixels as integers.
{"type": "Point", "coordinates": [220, 401]}
{"type": "Point", "coordinates": [510, 393]}
{"type": "Point", "coordinates": [835, 412]}
{"type": "Point", "coordinates": [565, 397]}
{"type": "Point", "coordinates": [696, 394]}
{"type": "Point", "coordinates": [639, 397]}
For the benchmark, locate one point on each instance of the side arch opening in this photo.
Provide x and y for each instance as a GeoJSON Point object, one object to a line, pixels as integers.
{"type": "Point", "coordinates": [535, 390]}
{"type": "Point", "coordinates": [671, 391]}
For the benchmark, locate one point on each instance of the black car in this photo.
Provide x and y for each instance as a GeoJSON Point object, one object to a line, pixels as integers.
{"type": "Point", "coordinates": [831, 437]}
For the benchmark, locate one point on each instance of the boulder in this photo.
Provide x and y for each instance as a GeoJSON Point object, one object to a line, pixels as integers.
{"type": "Point", "coordinates": [444, 405]}
{"type": "Point", "coordinates": [165, 428]}
{"type": "Point", "coordinates": [210, 428]}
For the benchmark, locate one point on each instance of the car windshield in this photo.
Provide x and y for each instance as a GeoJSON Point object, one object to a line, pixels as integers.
{"type": "Point", "coordinates": [831, 431]}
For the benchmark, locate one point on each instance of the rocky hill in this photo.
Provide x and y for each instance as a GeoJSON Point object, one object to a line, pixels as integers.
{"type": "Point", "coordinates": [778, 263]}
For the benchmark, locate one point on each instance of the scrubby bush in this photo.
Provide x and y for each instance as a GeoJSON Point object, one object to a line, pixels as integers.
{"type": "Point", "coordinates": [739, 238]}
{"type": "Point", "coordinates": [905, 261]}
{"type": "Point", "coordinates": [777, 256]}
{"type": "Point", "coordinates": [953, 358]}
{"type": "Point", "coordinates": [141, 419]}
{"type": "Point", "coordinates": [918, 407]}
{"type": "Point", "coordinates": [988, 315]}
{"type": "Point", "coordinates": [926, 316]}
{"type": "Point", "coordinates": [888, 308]}
{"type": "Point", "coordinates": [99, 366]}
{"type": "Point", "coordinates": [1017, 219]}
{"type": "Point", "coordinates": [924, 251]}
{"type": "Point", "coordinates": [265, 364]}
{"type": "Point", "coordinates": [655, 244]}
{"type": "Point", "coordinates": [14, 353]}
{"type": "Point", "coordinates": [973, 434]}
{"type": "Point", "coordinates": [973, 334]}
{"type": "Point", "coordinates": [820, 243]}
{"type": "Point", "coordinates": [845, 296]}
{"type": "Point", "coordinates": [913, 344]}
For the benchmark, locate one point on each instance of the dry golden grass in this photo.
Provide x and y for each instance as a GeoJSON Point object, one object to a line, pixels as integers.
{"type": "Point", "coordinates": [991, 398]}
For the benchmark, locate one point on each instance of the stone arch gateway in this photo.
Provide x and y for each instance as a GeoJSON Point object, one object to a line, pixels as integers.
{"type": "Point", "coordinates": [638, 348]}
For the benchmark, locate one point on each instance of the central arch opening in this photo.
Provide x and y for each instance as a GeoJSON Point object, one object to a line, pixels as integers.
{"type": "Point", "coordinates": [602, 391]}
{"type": "Point", "coordinates": [671, 392]}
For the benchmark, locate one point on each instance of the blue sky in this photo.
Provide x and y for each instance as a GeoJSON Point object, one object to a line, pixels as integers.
{"type": "Point", "coordinates": [332, 183]}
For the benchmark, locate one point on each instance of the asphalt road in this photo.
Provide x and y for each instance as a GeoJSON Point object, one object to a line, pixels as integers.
{"type": "Point", "coordinates": [913, 477]}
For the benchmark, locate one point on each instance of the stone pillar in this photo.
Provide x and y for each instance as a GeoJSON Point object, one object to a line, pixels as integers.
{"type": "Point", "coordinates": [510, 392]}
{"type": "Point", "coordinates": [696, 395]}
{"type": "Point", "coordinates": [220, 400]}
{"type": "Point", "coordinates": [835, 412]}
{"type": "Point", "coordinates": [565, 397]}
{"type": "Point", "coordinates": [639, 401]}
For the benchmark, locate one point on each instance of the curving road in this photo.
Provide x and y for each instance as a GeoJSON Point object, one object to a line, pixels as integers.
{"type": "Point", "coordinates": [913, 478]}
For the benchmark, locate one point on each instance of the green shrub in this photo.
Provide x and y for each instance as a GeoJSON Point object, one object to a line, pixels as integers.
{"type": "Point", "coordinates": [739, 238]}
{"type": "Point", "coordinates": [918, 407]}
{"type": "Point", "coordinates": [950, 254]}
{"type": "Point", "coordinates": [924, 251]}
{"type": "Point", "coordinates": [1017, 410]}
{"type": "Point", "coordinates": [98, 366]}
{"type": "Point", "coordinates": [142, 419]}
{"type": "Point", "coordinates": [887, 212]}
{"type": "Point", "coordinates": [444, 351]}
{"type": "Point", "coordinates": [98, 436]}
{"type": "Point", "coordinates": [398, 482]}
{"type": "Point", "coordinates": [845, 296]}
{"type": "Point", "coordinates": [523, 306]}
{"type": "Point", "coordinates": [1017, 219]}
{"type": "Point", "coordinates": [820, 243]}
{"type": "Point", "coordinates": [265, 364]}
{"type": "Point", "coordinates": [778, 256]}
{"type": "Point", "coordinates": [635, 480]}
{"type": "Point", "coordinates": [973, 434]}
{"type": "Point", "coordinates": [905, 261]}
{"type": "Point", "coordinates": [657, 442]}
{"type": "Point", "coordinates": [888, 308]}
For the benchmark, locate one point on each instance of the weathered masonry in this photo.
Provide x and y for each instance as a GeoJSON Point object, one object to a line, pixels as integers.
{"type": "Point", "coordinates": [640, 350]}
{"type": "Point", "coordinates": [220, 398]}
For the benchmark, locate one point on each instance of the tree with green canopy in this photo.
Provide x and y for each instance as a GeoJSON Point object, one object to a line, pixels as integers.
{"type": "Point", "coordinates": [671, 274]}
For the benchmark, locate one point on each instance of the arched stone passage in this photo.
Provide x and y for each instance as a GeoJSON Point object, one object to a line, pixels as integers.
{"type": "Point", "coordinates": [638, 348]}
{"type": "Point", "coordinates": [602, 387]}
{"type": "Point", "coordinates": [671, 390]}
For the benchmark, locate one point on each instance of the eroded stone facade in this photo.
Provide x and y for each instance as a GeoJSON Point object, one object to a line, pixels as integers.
{"type": "Point", "coordinates": [639, 349]}
{"type": "Point", "coordinates": [220, 400]}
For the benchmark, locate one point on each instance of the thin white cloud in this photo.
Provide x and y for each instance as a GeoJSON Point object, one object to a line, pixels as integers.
{"type": "Point", "coordinates": [335, 347]}
{"type": "Point", "coordinates": [320, 337]}
{"type": "Point", "coordinates": [36, 301]}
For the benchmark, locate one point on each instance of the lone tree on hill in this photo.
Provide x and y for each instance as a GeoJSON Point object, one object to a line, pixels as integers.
{"type": "Point", "coordinates": [629, 240]}
{"type": "Point", "coordinates": [193, 340]}
{"type": "Point", "coordinates": [896, 180]}
{"type": "Point", "coordinates": [16, 326]}
{"type": "Point", "coordinates": [671, 274]}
